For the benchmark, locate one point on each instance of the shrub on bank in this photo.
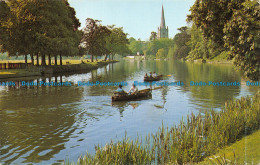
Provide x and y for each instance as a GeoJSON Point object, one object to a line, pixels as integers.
{"type": "Point", "coordinates": [191, 141]}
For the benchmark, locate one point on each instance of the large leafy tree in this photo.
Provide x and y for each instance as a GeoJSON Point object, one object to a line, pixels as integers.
{"type": "Point", "coordinates": [44, 27]}
{"type": "Point", "coordinates": [200, 46]}
{"type": "Point", "coordinates": [5, 16]}
{"type": "Point", "coordinates": [211, 16]}
{"type": "Point", "coordinates": [94, 38]}
{"type": "Point", "coordinates": [117, 42]}
{"type": "Point", "coordinates": [137, 46]}
{"type": "Point", "coordinates": [155, 45]}
{"type": "Point", "coordinates": [234, 24]}
{"type": "Point", "coordinates": [180, 43]}
{"type": "Point", "coordinates": [242, 37]}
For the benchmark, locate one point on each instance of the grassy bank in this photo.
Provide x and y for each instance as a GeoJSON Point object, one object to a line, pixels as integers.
{"type": "Point", "coordinates": [194, 139]}
{"type": "Point", "coordinates": [64, 62]}
{"type": "Point", "coordinates": [222, 58]}
{"type": "Point", "coordinates": [12, 73]}
{"type": "Point", "coordinates": [79, 67]}
{"type": "Point", "coordinates": [245, 151]}
{"type": "Point", "coordinates": [70, 66]}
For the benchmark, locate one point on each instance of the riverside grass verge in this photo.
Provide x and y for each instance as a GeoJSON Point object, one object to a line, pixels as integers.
{"type": "Point", "coordinates": [73, 65]}
{"type": "Point", "coordinates": [244, 151]}
{"type": "Point", "coordinates": [191, 141]}
{"type": "Point", "coordinates": [13, 73]}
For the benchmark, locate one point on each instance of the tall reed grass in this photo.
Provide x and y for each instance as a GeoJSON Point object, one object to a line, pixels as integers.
{"type": "Point", "coordinates": [191, 141]}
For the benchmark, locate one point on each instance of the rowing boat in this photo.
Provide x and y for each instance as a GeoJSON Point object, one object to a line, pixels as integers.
{"type": "Point", "coordinates": [157, 78]}
{"type": "Point", "coordinates": [125, 97]}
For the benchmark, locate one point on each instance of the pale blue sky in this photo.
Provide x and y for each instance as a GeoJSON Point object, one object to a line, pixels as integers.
{"type": "Point", "coordinates": [138, 17]}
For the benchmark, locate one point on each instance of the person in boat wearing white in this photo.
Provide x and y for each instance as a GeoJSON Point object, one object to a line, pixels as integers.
{"type": "Point", "coordinates": [154, 74]}
{"type": "Point", "coordinates": [133, 90]}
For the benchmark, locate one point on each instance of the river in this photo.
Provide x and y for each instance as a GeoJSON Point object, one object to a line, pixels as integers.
{"type": "Point", "coordinates": [49, 124]}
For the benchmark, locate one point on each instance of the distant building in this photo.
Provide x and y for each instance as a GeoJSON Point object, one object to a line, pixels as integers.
{"type": "Point", "coordinates": [162, 30]}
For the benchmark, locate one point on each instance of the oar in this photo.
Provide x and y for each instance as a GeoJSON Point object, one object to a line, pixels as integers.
{"type": "Point", "coordinates": [167, 75]}
{"type": "Point", "coordinates": [157, 88]}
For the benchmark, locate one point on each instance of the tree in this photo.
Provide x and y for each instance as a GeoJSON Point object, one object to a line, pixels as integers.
{"type": "Point", "coordinates": [161, 54]}
{"type": "Point", "coordinates": [180, 43]}
{"type": "Point", "coordinates": [211, 16]}
{"type": "Point", "coordinates": [233, 24]}
{"type": "Point", "coordinates": [5, 15]}
{"type": "Point", "coordinates": [242, 37]}
{"type": "Point", "coordinates": [153, 36]}
{"type": "Point", "coordinates": [137, 46]}
{"type": "Point", "coordinates": [41, 27]}
{"type": "Point", "coordinates": [94, 38]}
{"type": "Point", "coordinates": [155, 45]}
{"type": "Point", "coordinates": [117, 41]}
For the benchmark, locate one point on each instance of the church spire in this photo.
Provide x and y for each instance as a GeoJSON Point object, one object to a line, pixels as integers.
{"type": "Point", "coordinates": [162, 19]}
{"type": "Point", "coordinates": [162, 29]}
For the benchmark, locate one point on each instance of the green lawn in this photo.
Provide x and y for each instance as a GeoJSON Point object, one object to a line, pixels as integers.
{"type": "Point", "coordinates": [12, 71]}
{"type": "Point", "coordinates": [246, 151]}
{"type": "Point", "coordinates": [64, 62]}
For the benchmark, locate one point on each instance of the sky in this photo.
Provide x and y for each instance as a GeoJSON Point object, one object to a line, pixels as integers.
{"type": "Point", "coordinates": [137, 17]}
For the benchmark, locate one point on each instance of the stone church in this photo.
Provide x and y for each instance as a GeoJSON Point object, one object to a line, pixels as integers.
{"type": "Point", "coordinates": [162, 30]}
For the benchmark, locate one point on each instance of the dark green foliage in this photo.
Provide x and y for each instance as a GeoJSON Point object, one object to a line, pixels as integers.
{"type": "Point", "coordinates": [117, 41]}
{"type": "Point", "coordinates": [137, 46]}
{"type": "Point", "coordinates": [94, 38]}
{"type": "Point", "coordinates": [162, 43]}
{"type": "Point", "coordinates": [242, 37]}
{"type": "Point", "coordinates": [153, 36]}
{"type": "Point", "coordinates": [101, 40]}
{"type": "Point", "coordinates": [211, 16]}
{"type": "Point", "coordinates": [4, 17]}
{"type": "Point", "coordinates": [232, 24]}
{"type": "Point", "coordinates": [180, 43]}
{"type": "Point", "coordinates": [200, 46]}
{"type": "Point", "coordinates": [40, 27]}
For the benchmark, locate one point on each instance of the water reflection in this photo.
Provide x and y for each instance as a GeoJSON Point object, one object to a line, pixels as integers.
{"type": "Point", "coordinates": [36, 121]}
{"type": "Point", "coordinates": [207, 95]}
{"type": "Point", "coordinates": [43, 124]}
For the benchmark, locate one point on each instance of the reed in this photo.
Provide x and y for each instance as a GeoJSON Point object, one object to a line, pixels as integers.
{"type": "Point", "coordinates": [191, 141]}
{"type": "Point", "coordinates": [123, 152]}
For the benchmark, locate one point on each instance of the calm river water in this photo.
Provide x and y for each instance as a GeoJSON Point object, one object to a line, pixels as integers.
{"type": "Point", "coordinates": [47, 125]}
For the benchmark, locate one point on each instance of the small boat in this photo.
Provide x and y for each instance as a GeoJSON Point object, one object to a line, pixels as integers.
{"type": "Point", "coordinates": [157, 78]}
{"type": "Point", "coordinates": [125, 97]}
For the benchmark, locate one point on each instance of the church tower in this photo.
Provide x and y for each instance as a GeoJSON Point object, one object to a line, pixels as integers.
{"type": "Point", "coordinates": [162, 30]}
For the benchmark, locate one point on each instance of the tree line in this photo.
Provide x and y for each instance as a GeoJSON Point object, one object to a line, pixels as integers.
{"type": "Point", "coordinates": [218, 29]}
{"type": "Point", "coordinates": [48, 28]}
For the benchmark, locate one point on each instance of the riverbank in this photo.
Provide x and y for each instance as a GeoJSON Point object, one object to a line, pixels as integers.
{"type": "Point", "coordinates": [244, 151]}
{"type": "Point", "coordinates": [70, 66]}
{"type": "Point", "coordinates": [222, 58]}
{"type": "Point", "coordinates": [191, 141]}
{"type": "Point", "coordinates": [14, 73]}
{"type": "Point", "coordinates": [213, 61]}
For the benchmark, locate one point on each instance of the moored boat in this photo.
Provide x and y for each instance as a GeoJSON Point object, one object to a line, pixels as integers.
{"type": "Point", "coordinates": [157, 78]}
{"type": "Point", "coordinates": [125, 97]}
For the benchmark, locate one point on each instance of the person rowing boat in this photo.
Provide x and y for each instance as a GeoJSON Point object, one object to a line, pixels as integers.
{"type": "Point", "coordinates": [120, 91]}
{"type": "Point", "coordinates": [133, 90]}
{"type": "Point", "coordinates": [154, 74]}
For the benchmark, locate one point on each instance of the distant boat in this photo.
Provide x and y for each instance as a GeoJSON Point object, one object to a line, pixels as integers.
{"type": "Point", "coordinates": [157, 78]}
{"type": "Point", "coordinates": [145, 93]}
